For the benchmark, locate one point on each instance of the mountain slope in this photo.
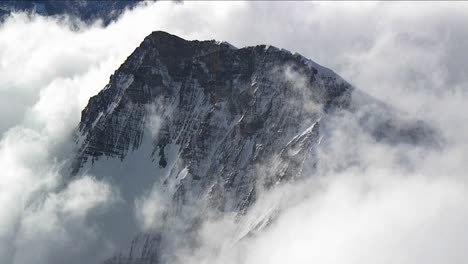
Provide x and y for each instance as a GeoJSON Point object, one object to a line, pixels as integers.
{"type": "Point", "coordinates": [222, 110]}
{"type": "Point", "coordinates": [207, 126]}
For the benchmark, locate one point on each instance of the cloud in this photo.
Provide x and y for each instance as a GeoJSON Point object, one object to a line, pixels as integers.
{"type": "Point", "coordinates": [368, 203]}
{"type": "Point", "coordinates": [381, 217]}
{"type": "Point", "coordinates": [48, 72]}
{"type": "Point", "coordinates": [56, 229]}
{"type": "Point", "coordinates": [39, 217]}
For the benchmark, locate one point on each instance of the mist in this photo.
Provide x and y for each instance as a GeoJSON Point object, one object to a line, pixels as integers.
{"type": "Point", "coordinates": [367, 202]}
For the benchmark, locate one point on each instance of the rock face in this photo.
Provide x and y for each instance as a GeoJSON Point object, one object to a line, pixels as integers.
{"type": "Point", "coordinates": [85, 10]}
{"type": "Point", "coordinates": [220, 124]}
{"type": "Point", "coordinates": [222, 110]}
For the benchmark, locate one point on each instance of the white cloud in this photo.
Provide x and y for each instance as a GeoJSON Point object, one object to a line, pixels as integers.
{"type": "Point", "coordinates": [382, 217]}
{"type": "Point", "coordinates": [150, 210]}
{"type": "Point", "coordinates": [48, 73]}
{"type": "Point", "coordinates": [55, 229]}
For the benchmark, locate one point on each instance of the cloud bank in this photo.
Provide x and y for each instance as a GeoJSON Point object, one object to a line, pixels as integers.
{"type": "Point", "coordinates": [368, 203]}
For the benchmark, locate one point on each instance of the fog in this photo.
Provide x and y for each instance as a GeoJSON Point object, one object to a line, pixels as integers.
{"type": "Point", "coordinates": [368, 201]}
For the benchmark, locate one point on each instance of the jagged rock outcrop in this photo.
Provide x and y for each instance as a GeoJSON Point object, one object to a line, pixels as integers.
{"type": "Point", "coordinates": [225, 110]}
{"type": "Point", "coordinates": [221, 124]}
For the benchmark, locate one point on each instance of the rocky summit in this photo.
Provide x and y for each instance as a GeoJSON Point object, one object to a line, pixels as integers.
{"type": "Point", "coordinates": [208, 126]}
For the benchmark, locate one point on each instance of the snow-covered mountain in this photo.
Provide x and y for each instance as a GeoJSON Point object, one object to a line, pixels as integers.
{"type": "Point", "coordinates": [201, 127]}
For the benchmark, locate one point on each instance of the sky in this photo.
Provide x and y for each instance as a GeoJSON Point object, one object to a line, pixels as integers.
{"type": "Point", "coordinates": [401, 204]}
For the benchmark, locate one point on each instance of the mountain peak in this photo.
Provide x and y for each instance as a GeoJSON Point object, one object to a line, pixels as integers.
{"type": "Point", "coordinates": [204, 117]}
{"type": "Point", "coordinates": [164, 38]}
{"type": "Point", "coordinates": [209, 97]}
{"type": "Point", "coordinates": [163, 35]}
